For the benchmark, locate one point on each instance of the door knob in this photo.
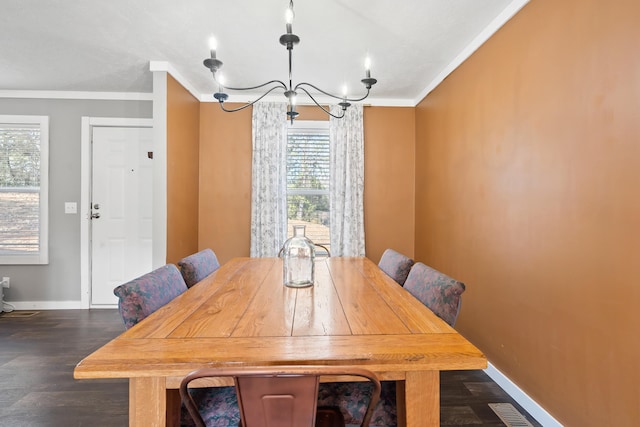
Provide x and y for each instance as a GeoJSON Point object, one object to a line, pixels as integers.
{"type": "Point", "coordinates": [95, 215]}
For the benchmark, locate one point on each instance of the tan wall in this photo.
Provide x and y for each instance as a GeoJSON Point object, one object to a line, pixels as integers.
{"type": "Point", "coordinates": [182, 171]}
{"type": "Point", "coordinates": [528, 173]}
{"type": "Point", "coordinates": [225, 179]}
{"type": "Point", "coordinates": [389, 176]}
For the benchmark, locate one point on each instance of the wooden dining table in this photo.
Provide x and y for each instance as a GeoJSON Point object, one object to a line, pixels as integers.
{"type": "Point", "coordinates": [242, 315]}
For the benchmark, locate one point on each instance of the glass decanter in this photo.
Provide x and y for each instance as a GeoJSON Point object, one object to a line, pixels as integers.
{"type": "Point", "coordinates": [299, 255]}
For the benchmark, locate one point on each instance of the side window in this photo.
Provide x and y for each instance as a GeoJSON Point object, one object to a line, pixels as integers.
{"type": "Point", "coordinates": [308, 177]}
{"type": "Point", "coordinates": [24, 161]}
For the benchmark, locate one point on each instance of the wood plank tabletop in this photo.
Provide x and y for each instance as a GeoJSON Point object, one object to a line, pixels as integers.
{"type": "Point", "coordinates": [243, 315]}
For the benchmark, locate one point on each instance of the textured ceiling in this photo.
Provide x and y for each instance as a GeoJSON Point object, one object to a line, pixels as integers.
{"type": "Point", "coordinates": [106, 46]}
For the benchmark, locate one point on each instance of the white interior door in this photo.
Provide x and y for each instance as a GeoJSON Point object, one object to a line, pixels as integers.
{"type": "Point", "coordinates": [121, 183]}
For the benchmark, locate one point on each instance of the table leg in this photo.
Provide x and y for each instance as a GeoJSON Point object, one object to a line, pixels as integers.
{"type": "Point", "coordinates": [147, 402]}
{"type": "Point", "coordinates": [422, 397]}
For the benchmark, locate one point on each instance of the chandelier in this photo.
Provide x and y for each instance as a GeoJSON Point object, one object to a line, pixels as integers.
{"type": "Point", "coordinates": [289, 40]}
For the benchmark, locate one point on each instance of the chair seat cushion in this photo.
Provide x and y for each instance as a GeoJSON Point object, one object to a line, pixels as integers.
{"type": "Point", "coordinates": [353, 397]}
{"type": "Point", "coordinates": [218, 406]}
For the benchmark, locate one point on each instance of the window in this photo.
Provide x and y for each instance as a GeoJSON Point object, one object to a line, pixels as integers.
{"type": "Point", "coordinates": [24, 160]}
{"type": "Point", "coordinates": [308, 179]}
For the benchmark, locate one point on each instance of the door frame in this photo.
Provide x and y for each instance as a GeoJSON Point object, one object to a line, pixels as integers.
{"type": "Point", "coordinates": [88, 123]}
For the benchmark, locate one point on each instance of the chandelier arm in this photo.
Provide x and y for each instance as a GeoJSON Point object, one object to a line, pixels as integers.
{"type": "Point", "coordinates": [250, 103]}
{"type": "Point", "coordinates": [280, 82]}
{"type": "Point", "coordinates": [301, 84]}
{"type": "Point", "coordinates": [318, 105]}
{"type": "Point", "coordinates": [358, 99]}
{"type": "Point", "coordinates": [342, 98]}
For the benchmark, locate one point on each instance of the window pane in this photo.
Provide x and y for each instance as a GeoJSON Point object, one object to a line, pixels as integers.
{"type": "Point", "coordinates": [308, 182]}
{"type": "Point", "coordinates": [308, 161]}
{"type": "Point", "coordinates": [22, 145]}
{"type": "Point", "coordinates": [312, 211]}
{"type": "Point", "coordinates": [19, 223]}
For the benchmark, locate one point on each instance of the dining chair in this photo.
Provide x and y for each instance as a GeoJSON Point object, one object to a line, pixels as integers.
{"type": "Point", "coordinates": [439, 292]}
{"type": "Point", "coordinates": [395, 265]}
{"type": "Point", "coordinates": [279, 396]}
{"type": "Point", "coordinates": [350, 397]}
{"type": "Point", "coordinates": [322, 251]}
{"type": "Point", "coordinates": [140, 297]}
{"type": "Point", "coordinates": [197, 266]}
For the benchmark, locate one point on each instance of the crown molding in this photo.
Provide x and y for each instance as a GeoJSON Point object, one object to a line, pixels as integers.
{"type": "Point", "coordinates": [508, 13]}
{"type": "Point", "coordinates": [170, 69]}
{"type": "Point", "coordinates": [55, 94]}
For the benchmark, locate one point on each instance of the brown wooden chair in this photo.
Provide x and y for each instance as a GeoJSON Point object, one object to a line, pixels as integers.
{"type": "Point", "coordinates": [280, 396]}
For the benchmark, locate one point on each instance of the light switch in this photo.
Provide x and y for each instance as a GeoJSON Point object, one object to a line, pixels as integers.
{"type": "Point", "coordinates": [70, 207]}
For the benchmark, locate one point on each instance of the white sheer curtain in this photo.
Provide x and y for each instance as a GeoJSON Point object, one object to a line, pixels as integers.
{"type": "Point", "coordinates": [269, 179]}
{"type": "Point", "coordinates": [347, 183]}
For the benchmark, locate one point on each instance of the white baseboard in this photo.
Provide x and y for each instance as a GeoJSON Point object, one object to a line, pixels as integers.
{"type": "Point", "coordinates": [530, 405]}
{"type": "Point", "coordinates": [45, 305]}
{"type": "Point", "coordinates": [54, 305]}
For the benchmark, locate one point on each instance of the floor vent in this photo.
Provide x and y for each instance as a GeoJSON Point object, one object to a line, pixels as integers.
{"type": "Point", "coordinates": [509, 415]}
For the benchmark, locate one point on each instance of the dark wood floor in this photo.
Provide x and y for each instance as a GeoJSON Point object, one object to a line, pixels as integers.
{"type": "Point", "coordinates": [38, 353]}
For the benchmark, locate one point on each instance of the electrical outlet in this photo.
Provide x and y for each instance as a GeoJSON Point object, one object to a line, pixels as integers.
{"type": "Point", "coordinates": [6, 282]}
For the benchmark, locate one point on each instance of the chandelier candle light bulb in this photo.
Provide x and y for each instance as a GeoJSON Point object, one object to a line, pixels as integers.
{"type": "Point", "coordinates": [288, 40]}
{"type": "Point", "coordinates": [288, 16]}
{"type": "Point", "coordinates": [213, 45]}
{"type": "Point", "coordinates": [220, 82]}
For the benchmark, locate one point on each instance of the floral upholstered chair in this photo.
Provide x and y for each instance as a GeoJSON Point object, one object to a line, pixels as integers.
{"type": "Point", "coordinates": [439, 292]}
{"type": "Point", "coordinates": [142, 296]}
{"type": "Point", "coordinates": [196, 267]}
{"type": "Point", "coordinates": [352, 399]}
{"type": "Point", "coordinates": [395, 265]}
{"type": "Point", "coordinates": [218, 406]}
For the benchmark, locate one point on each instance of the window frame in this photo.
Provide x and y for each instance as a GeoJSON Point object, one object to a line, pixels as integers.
{"type": "Point", "coordinates": [42, 256]}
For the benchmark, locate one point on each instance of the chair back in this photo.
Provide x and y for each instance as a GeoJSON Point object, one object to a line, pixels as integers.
{"type": "Point", "coordinates": [279, 396]}
{"type": "Point", "coordinates": [196, 267]}
{"type": "Point", "coordinates": [395, 265]}
{"type": "Point", "coordinates": [142, 296]}
{"type": "Point", "coordinates": [322, 251]}
{"type": "Point", "coordinates": [439, 292]}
